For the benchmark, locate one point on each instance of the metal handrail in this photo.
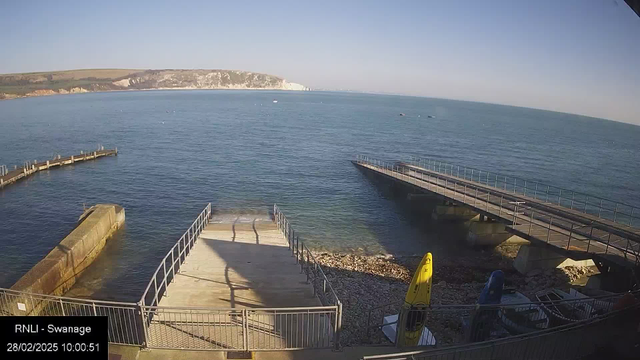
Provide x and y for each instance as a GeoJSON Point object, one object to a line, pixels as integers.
{"type": "Point", "coordinates": [603, 297]}
{"type": "Point", "coordinates": [435, 182]}
{"type": "Point", "coordinates": [466, 350]}
{"type": "Point", "coordinates": [294, 308]}
{"type": "Point", "coordinates": [310, 266]}
{"type": "Point", "coordinates": [125, 325]}
{"type": "Point", "coordinates": [187, 241]}
{"type": "Point", "coordinates": [617, 211]}
{"type": "Point", "coordinates": [64, 298]}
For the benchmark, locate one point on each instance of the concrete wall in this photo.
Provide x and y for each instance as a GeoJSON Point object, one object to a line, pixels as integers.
{"type": "Point", "coordinates": [534, 257]}
{"type": "Point", "coordinates": [57, 272]}
{"type": "Point", "coordinates": [490, 233]}
{"type": "Point", "coordinates": [451, 212]}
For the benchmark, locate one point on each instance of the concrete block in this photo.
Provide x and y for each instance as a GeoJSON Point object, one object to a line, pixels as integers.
{"type": "Point", "coordinates": [533, 257]}
{"type": "Point", "coordinates": [58, 271]}
{"type": "Point", "coordinates": [489, 233]}
{"type": "Point", "coordinates": [452, 213]}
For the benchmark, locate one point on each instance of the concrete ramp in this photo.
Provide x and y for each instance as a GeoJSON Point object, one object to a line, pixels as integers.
{"type": "Point", "coordinates": [240, 262]}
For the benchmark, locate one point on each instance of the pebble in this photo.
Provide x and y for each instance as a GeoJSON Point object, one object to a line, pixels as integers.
{"type": "Point", "coordinates": [371, 286]}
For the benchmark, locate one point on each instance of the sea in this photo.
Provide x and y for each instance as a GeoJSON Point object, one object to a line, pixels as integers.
{"type": "Point", "coordinates": [242, 152]}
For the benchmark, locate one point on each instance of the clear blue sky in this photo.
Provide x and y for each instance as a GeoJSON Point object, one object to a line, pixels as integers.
{"type": "Point", "coordinates": [577, 56]}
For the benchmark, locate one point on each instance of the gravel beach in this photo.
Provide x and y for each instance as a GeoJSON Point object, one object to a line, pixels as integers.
{"type": "Point", "coordinates": [363, 282]}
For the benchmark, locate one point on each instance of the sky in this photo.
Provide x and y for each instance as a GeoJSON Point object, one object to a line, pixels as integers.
{"type": "Point", "coordinates": [575, 56]}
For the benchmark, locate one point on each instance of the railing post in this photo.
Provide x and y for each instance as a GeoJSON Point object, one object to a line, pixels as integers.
{"type": "Point", "coordinates": [549, 229]}
{"type": "Point", "coordinates": [488, 197]}
{"type": "Point", "coordinates": [570, 233]}
{"type": "Point", "coordinates": [179, 255]}
{"type": "Point", "coordinates": [173, 266]}
{"type": "Point", "coordinates": [590, 236]}
{"type": "Point", "coordinates": [338, 327]}
{"type": "Point", "coordinates": [62, 307]}
{"type": "Point", "coordinates": [401, 327]}
{"type": "Point", "coordinates": [530, 222]}
{"type": "Point", "coordinates": [626, 249]}
{"type": "Point", "coordinates": [547, 194]}
{"type": "Point", "coordinates": [515, 213]}
{"type": "Point", "coordinates": [245, 330]}
{"type": "Point", "coordinates": [573, 196]}
{"type": "Point", "coordinates": [164, 269]}
{"type": "Point", "coordinates": [500, 210]}
{"type": "Point", "coordinates": [155, 285]}
{"type": "Point", "coordinates": [585, 205]}
{"type": "Point", "coordinates": [95, 312]}
{"type": "Point", "coordinates": [145, 331]}
{"type": "Point", "coordinates": [297, 249]}
{"type": "Point", "coordinates": [559, 196]}
{"type": "Point", "coordinates": [615, 213]}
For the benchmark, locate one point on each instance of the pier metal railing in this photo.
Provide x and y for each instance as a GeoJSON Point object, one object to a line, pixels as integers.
{"type": "Point", "coordinates": [574, 340]}
{"type": "Point", "coordinates": [125, 319]}
{"type": "Point", "coordinates": [615, 211]}
{"type": "Point", "coordinates": [594, 237]}
{"type": "Point", "coordinates": [459, 324]}
{"type": "Point", "coordinates": [243, 329]}
{"type": "Point", "coordinates": [149, 325]}
{"type": "Point", "coordinates": [171, 263]}
{"type": "Point", "coordinates": [322, 287]}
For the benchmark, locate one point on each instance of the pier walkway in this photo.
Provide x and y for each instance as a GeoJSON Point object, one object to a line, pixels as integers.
{"type": "Point", "coordinates": [8, 177]}
{"type": "Point", "coordinates": [240, 262]}
{"type": "Point", "coordinates": [240, 282]}
{"type": "Point", "coordinates": [534, 216]}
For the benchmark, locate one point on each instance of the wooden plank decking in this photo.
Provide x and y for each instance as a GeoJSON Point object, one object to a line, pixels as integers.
{"type": "Point", "coordinates": [31, 168]}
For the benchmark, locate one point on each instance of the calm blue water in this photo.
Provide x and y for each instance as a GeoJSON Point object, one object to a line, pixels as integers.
{"type": "Point", "coordinates": [240, 151]}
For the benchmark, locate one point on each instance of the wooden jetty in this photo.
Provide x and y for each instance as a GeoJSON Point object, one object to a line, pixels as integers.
{"type": "Point", "coordinates": [8, 177]}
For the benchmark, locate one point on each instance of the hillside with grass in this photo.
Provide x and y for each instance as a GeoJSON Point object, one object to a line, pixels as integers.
{"type": "Point", "coordinates": [90, 80]}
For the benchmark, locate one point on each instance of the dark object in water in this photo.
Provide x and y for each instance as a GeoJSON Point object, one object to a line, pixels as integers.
{"type": "Point", "coordinates": [430, 116]}
{"type": "Point", "coordinates": [401, 114]}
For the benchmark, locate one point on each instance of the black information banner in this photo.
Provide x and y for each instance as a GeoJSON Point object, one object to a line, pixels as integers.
{"type": "Point", "coordinates": [53, 337]}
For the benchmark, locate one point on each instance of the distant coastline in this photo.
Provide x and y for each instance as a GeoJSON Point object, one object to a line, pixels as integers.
{"type": "Point", "coordinates": [13, 86]}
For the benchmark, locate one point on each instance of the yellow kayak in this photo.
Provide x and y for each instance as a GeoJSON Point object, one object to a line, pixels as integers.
{"type": "Point", "coordinates": [418, 298]}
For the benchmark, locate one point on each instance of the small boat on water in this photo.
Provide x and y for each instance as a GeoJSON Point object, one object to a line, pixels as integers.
{"type": "Point", "coordinates": [275, 101]}
{"type": "Point", "coordinates": [523, 316]}
{"type": "Point", "coordinates": [430, 116]}
{"type": "Point", "coordinates": [401, 114]}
